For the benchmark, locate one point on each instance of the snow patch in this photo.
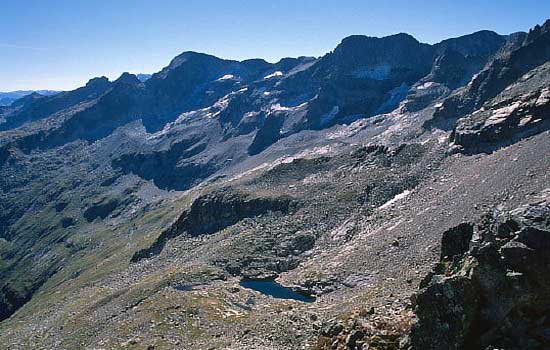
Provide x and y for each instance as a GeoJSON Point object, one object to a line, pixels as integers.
{"type": "Point", "coordinates": [442, 139]}
{"type": "Point", "coordinates": [394, 225]}
{"type": "Point", "coordinates": [309, 153]}
{"type": "Point", "coordinates": [425, 85]}
{"type": "Point", "coordinates": [227, 77]}
{"type": "Point", "coordinates": [274, 75]}
{"type": "Point", "coordinates": [222, 103]}
{"type": "Point", "coordinates": [276, 107]}
{"type": "Point", "coordinates": [251, 114]}
{"type": "Point", "coordinates": [471, 82]}
{"type": "Point", "coordinates": [395, 199]}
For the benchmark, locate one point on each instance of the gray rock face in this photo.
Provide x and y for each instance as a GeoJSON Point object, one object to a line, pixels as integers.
{"type": "Point", "coordinates": [456, 61]}
{"type": "Point", "coordinates": [213, 212]}
{"type": "Point", "coordinates": [456, 241]}
{"type": "Point", "coordinates": [521, 110]}
{"type": "Point", "coordinates": [360, 76]}
{"type": "Point", "coordinates": [175, 175]}
{"type": "Point", "coordinates": [508, 66]}
{"type": "Point", "coordinates": [497, 295]}
{"type": "Point", "coordinates": [11, 300]}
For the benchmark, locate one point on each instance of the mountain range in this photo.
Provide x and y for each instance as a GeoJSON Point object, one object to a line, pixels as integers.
{"type": "Point", "coordinates": [7, 98]}
{"type": "Point", "coordinates": [401, 187]}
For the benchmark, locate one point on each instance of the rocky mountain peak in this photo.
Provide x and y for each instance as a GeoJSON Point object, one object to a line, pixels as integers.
{"type": "Point", "coordinates": [537, 31]}
{"type": "Point", "coordinates": [127, 78]}
{"type": "Point", "coordinates": [98, 82]}
{"type": "Point", "coordinates": [484, 42]}
{"type": "Point", "coordinates": [256, 64]}
{"type": "Point", "coordinates": [186, 60]}
{"type": "Point", "coordinates": [288, 63]}
{"type": "Point", "coordinates": [27, 99]}
{"type": "Point", "coordinates": [356, 41]}
{"type": "Point", "coordinates": [500, 72]}
{"type": "Point", "coordinates": [377, 50]}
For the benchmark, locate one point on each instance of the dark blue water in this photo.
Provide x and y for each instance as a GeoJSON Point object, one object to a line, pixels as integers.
{"type": "Point", "coordinates": [274, 289]}
{"type": "Point", "coordinates": [185, 287]}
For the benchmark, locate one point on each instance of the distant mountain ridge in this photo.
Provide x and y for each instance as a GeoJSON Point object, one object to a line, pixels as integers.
{"type": "Point", "coordinates": [7, 98]}
{"type": "Point", "coordinates": [362, 77]}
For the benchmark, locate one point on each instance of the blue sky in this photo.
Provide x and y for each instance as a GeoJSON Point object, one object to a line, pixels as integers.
{"type": "Point", "coordinates": [60, 44]}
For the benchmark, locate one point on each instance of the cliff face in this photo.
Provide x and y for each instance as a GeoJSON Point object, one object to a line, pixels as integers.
{"type": "Point", "coordinates": [519, 111]}
{"type": "Point", "coordinates": [213, 212]}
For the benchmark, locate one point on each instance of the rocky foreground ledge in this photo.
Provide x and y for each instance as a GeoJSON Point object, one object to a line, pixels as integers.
{"type": "Point", "coordinates": [490, 290]}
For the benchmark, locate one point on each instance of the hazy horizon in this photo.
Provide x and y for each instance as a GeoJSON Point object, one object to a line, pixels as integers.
{"type": "Point", "coordinates": [61, 45]}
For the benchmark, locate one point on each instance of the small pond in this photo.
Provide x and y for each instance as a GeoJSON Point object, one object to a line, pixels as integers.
{"type": "Point", "coordinates": [184, 287]}
{"type": "Point", "coordinates": [274, 289]}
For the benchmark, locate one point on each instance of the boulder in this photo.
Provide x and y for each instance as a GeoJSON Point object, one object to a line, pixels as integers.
{"type": "Point", "coordinates": [456, 240]}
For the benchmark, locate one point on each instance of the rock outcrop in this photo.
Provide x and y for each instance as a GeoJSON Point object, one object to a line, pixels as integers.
{"type": "Point", "coordinates": [456, 61]}
{"type": "Point", "coordinates": [507, 67]}
{"type": "Point", "coordinates": [213, 212]}
{"type": "Point", "coordinates": [520, 111]}
{"type": "Point", "coordinates": [496, 295]}
{"type": "Point", "coordinates": [366, 329]}
{"type": "Point", "coordinates": [103, 207]}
